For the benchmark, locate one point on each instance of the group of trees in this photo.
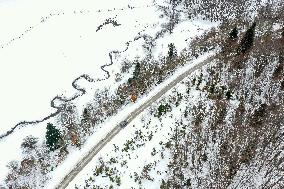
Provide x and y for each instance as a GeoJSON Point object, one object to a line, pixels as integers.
{"type": "Point", "coordinates": [247, 40]}
{"type": "Point", "coordinates": [41, 158]}
{"type": "Point", "coordinates": [31, 171]}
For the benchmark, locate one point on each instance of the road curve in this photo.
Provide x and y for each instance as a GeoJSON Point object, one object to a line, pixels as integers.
{"type": "Point", "coordinates": [86, 159]}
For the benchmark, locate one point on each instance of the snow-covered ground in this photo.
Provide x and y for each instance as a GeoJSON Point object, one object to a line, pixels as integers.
{"type": "Point", "coordinates": [148, 135]}
{"type": "Point", "coordinates": [45, 45]}
{"type": "Point", "coordinates": [41, 62]}
{"type": "Point", "coordinates": [41, 58]}
{"type": "Point", "coordinates": [71, 161]}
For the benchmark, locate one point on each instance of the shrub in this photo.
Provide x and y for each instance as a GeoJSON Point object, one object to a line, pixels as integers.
{"type": "Point", "coordinates": [29, 144]}
{"type": "Point", "coordinates": [228, 95]}
{"type": "Point", "coordinates": [162, 109]}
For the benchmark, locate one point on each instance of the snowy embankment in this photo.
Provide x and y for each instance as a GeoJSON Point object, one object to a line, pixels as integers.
{"type": "Point", "coordinates": [71, 161]}
{"type": "Point", "coordinates": [197, 28]}
{"type": "Point", "coordinates": [148, 133]}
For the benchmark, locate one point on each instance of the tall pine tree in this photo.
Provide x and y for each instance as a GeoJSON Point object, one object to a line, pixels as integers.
{"type": "Point", "coordinates": [234, 33]}
{"type": "Point", "coordinates": [137, 70]}
{"type": "Point", "coordinates": [247, 41]}
{"type": "Point", "coordinates": [52, 137]}
{"type": "Point", "coordinates": [172, 52]}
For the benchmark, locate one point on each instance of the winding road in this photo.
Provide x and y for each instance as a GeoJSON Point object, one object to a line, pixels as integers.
{"type": "Point", "coordinates": [86, 159]}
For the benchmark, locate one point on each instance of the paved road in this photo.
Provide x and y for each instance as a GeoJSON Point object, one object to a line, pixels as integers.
{"type": "Point", "coordinates": [85, 160]}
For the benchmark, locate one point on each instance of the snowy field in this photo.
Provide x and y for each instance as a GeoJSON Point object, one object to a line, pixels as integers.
{"type": "Point", "coordinates": [43, 51]}
{"type": "Point", "coordinates": [41, 57]}
{"type": "Point", "coordinates": [45, 45]}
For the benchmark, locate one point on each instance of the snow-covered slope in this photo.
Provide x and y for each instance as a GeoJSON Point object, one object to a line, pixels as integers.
{"type": "Point", "coordinates": [221, 127]}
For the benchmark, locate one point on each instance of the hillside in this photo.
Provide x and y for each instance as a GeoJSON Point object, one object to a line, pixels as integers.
{"type": "Point", "coordinates": [220, 127]}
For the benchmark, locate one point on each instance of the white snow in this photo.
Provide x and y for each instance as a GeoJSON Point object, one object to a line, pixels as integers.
{"type": "Point", "coordinates": [45, 45]}
{"type": "Point", "coordinates": [136, 161]}
{"type": "Point", "coordinates": [41, 63]}
{"type": "Point", "coordinates": [44, 61]}
{"type": "Point", "coordinates": [182, 34]}
{"type": "Point", "coordinates": [71, 161]}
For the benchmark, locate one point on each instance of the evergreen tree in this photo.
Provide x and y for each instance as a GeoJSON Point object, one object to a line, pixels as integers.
{"type": "Point", "coordinates": [175, 3]}
{"type": "Point", "coordinates": [86, 114]}
{"type": "Point", "coordinates": [228, 95]}
{"type": "Point", "coordinates": [137, 70]}
{"type": "Point", "coordinates": [234, 33]}
{"type": "Point", "coordinates": [247, 41]}
{"type": "Point", "coordinates": [52, 137]}
{"type": "Point", "coordinates": [172, 51]}
{"type": "Point", "coordinates": [86, 122]}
